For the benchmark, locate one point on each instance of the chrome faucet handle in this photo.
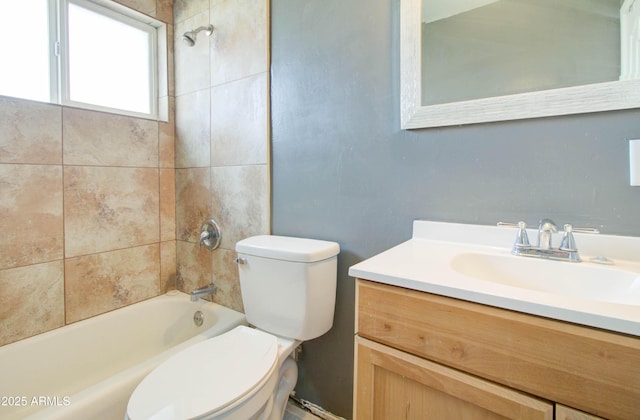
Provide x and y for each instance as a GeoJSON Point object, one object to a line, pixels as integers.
{"type": "Point", "coordinates": [568, 242]}
{"type": "Point", "coordinates": [509, 224]}
{"type": "Point", "coordinates": [522, 239]}
{"type": "Point", "coordinates": [583, 229]}
{"type": "Point", "coordinates": [210, 235]}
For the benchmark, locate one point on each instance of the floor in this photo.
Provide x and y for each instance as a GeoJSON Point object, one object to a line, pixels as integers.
{"type": "Point", "coordinates": [295, 412]}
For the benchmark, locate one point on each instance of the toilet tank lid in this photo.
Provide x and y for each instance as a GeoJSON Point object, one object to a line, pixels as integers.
{"type": "Point", "coordinates": [288, 248]}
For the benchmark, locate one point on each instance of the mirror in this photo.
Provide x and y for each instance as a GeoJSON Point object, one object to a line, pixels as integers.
{"type": "Point", "coordinates": [553, 58]}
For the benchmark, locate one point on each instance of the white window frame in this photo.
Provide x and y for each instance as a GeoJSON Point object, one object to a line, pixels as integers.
{"type": "Point", "coordinates": [128, 19]}
{"type": "Point", "coordinates": [59, 59]}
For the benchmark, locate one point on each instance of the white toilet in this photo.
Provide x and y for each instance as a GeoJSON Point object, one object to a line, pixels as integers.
{"type": "Point", "coordinates": [288, 289]}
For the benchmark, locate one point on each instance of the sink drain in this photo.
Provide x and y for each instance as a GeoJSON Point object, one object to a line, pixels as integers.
{"type": "Point", "coordinates": [198, 318]}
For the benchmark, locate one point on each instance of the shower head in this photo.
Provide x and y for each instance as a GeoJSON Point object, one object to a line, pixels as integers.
{"type": "Point", "coordinates": [189, 38]}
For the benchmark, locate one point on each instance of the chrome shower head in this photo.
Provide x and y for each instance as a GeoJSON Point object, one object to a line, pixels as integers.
{"type": "Point", "coordinates": [189, 38]}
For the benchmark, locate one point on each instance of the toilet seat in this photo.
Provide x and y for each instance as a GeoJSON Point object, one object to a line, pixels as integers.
{"type": "Point", "coordinates": [206, 377]}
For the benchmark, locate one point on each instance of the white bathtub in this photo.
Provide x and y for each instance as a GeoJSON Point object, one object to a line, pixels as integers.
{"type": "Point", "coordinates": [88, 369]}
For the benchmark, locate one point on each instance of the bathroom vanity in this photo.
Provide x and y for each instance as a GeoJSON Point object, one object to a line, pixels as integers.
{"type": "Point", "coordinates": [432, 338]}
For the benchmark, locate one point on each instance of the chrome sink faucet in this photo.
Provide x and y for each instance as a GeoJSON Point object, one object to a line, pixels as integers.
{"type": "Point", "coordinates": [567, 251]}
{"type": "Point", "coordinates": [203, 291]}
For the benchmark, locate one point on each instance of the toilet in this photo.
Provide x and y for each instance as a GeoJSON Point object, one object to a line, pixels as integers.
{"type": "Point", "coordinates": [288, 289]}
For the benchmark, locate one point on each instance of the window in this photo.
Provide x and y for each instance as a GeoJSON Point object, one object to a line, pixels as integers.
{"type": "Point", "coordinates": [105, 57]}
{"type": "Point", "coordinates": [24, 42]}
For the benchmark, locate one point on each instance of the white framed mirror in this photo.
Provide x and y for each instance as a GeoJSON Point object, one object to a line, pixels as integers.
{"type": "Point", "coordinates": [598, 85]}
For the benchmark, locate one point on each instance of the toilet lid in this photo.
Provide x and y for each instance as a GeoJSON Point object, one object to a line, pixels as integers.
{"type": "Point", "coordinates": [205, 377]}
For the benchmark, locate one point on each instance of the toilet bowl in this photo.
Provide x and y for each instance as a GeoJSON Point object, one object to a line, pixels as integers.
{"type": "Point", "coordinates": [288, 290]}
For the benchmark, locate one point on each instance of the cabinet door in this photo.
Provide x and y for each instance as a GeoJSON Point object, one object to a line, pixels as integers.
{"type": "Point", "coordinates": [568, 413]}
{"type": "Point", "coordinates": [391, 384]}
{"type": "Point", "coordinates": [594, 370]}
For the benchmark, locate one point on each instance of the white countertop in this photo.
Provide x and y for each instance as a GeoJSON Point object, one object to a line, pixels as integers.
{"type": "Point", "coordinates": [424, 263]}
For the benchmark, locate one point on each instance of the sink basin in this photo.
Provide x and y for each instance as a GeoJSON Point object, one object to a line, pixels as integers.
{"type": "Point", "coordinates": [606, 284]}
{"type": "Point", "coordinates": [474, 263]}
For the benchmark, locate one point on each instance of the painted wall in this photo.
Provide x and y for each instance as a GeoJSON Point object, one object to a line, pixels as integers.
{"type": "Point", "coordinates": [222, 137]}
{"type": "Point", "coordinates": [344, 171]}
{"type": "Point", "coordinates": [87, 209]}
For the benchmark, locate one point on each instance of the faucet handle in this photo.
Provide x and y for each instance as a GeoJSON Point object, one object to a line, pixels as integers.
{"type": "Point", "coordinates": [522, 239]}
{"type": "Point", "coordinates": [568, 242]}
{"type": "Point", "coordinates": [583, 229]}
{"type": "Point", "coordinates": [210, 235]}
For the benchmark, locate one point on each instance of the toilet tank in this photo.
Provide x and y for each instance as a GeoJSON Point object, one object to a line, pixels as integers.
{"type": "Point", "coordinates": [288, 284]}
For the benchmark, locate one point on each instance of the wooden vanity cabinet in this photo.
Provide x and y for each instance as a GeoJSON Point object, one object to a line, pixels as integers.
{"type": "Point", "coordinates": [419, 356]}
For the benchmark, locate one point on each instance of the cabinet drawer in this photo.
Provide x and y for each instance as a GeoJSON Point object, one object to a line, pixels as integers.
{"type": "Point", "coordinates": [593, 370]}
{"type": "Point", "coordinates": [391, 384]}
{"type": "Point", "coordinates": [567, 413]}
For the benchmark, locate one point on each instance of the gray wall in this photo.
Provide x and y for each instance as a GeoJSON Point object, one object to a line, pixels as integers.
{"type": "Point", "coordinates": [344, 171]}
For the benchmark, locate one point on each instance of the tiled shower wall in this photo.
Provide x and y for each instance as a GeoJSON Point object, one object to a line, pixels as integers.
{"type": "Point", "coordinates": [222, 137]}
{"type": "Point", "coordinates": [91, 204]}
{"type": "Point", "coordinates": [87, 209]}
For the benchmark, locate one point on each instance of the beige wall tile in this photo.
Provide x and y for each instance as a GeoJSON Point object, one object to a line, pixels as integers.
{"type": "Point", "coordinates": [30, 132]}
{"type": "Point", "coordinates": [239, 122]}
{"type": "Point", "coordinates": [95, 138]}
{"type": "Point", "coordinates": [164, 10]}
{"type": "Point", "coordinates": [192, 63]}
{"type": "Point", "coordinates": [32, 300]}
{"type": "Point", "coordinates": [145, 6]}
{"type": "Point", "coordinates": [109, 208]}
{"type": "Point", "coordinates": [193, 202]}
{"type": "Point", "coordinates": [102, 282]}
{"type": "Point", "coordinates": [168, 268]}
{"type": "Point", "coordinates": [30, 214]}
{"type": "Point", "coordinates": [171, 70]}
{"type": "Point", "coordinates": [239, 45]}
{"type": "Point", "coordinates": [184, 9]}
{"type": "Point", "coordinates": [226, 278]}
{"type": "Point", "coordinates": [167, 204]}
{"type": "Point", "coordinates": [166, 139]}
{"type": "Point", "coordinates": [194, 266]}
{"type": "Point", "coordinates": [193, 148]}
{"type": "Point", "coordinates": [240, 202]}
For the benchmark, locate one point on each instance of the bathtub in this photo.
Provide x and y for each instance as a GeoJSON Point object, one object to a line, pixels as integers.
{"type": "Point", "coordinates": [88, 369]}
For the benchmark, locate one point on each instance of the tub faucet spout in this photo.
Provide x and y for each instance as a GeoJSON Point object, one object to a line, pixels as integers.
{"type": "Point", "coordinates": [203, 291]}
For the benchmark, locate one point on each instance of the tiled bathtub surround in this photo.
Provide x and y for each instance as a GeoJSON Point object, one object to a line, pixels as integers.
{"type": "Point", "coordinates": [94, 214]}
{"type": "Point", "coordinates": [87, 208]}
{"type": "Point", "coordinates": [222, 137]}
